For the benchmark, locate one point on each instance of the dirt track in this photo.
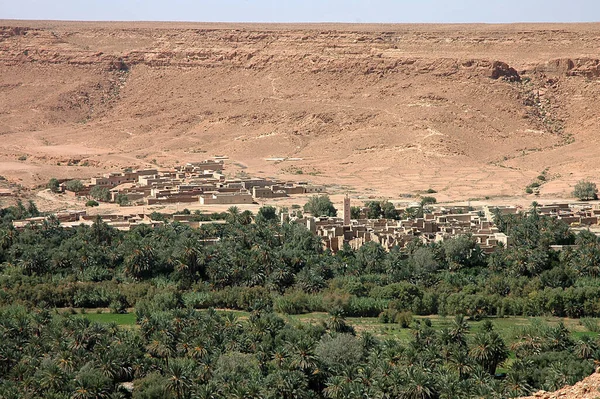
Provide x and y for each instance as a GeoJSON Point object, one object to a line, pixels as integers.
{"type": "Point", "coordinates": [380, 110]}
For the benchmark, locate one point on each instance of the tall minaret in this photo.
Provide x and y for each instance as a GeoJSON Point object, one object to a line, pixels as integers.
{"type": "Point", "coordinates": [346, 210]}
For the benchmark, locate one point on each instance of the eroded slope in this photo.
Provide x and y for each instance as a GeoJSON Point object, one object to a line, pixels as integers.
{"type": "Point", "coordinates": [468, 110]}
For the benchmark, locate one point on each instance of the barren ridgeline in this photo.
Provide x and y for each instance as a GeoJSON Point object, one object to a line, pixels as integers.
{"type": "Point", "coordinates": [471, 111]}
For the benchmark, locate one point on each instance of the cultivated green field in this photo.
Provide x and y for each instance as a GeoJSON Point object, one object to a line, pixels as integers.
{"type": "Point", "coordinates": [127, 319]}
{"type": "Point", "coordinates": [507, 327]}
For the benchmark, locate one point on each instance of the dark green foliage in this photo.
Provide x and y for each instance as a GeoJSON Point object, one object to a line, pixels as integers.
{"type": "Point", "coordinates": [122, 199]}
{"type": "Point", "coordinates": [381, 209]}
{"type": "Point", "coordinates": [320, 205]}
{"type": "Point", "coordinates": [266, 263]}
{"type": "Point", "coordinates": [428, 200]}
{"type": "Point", "coordinates": [100, 193]}
{"type": "Point", "coordinates": [172, 273]}
{"type": "Point", "coordinates": [53, 185]}
{"type": "Point", "coordinates": [182, 353]}
{"type": "Point", "coordinates": [394, 316]}
{"type": "Point", "coordinates": [355, 212]}
{"type": "Point", "coordinates": [74, 185]}
{"type": "Point", "coordinates": [267, 214]}
{"type": "Point", "coordinates": [373, 209]}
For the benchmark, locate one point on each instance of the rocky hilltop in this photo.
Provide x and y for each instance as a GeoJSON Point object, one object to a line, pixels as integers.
{"type": "Point", "coordinates": [469, 110]}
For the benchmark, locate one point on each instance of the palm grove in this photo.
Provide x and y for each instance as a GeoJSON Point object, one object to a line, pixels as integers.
{"type": "Point", "coordinates": [174, 276]}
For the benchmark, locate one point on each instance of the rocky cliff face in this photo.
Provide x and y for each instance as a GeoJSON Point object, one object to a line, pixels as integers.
{"type": "Point", "coordinates": [477, 109]}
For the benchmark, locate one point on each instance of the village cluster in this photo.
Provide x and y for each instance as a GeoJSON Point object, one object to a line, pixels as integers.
{"type": "Point", "coordinates": [195, 182]}
{"type": "Point", "coordinates": [440, 224]}
{"type": "Point", "coordinates": [204, 182]}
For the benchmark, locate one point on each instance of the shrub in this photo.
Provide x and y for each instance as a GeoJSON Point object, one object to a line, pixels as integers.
{"type": "Point", "coordinates": [590, 324]}
{"type": "Point", "coordinates": [428, 200]}
{"type": "Point", "coordinates": [364, 307]}
{"type": "Point", "coordinates": [388, 316]}
{"type": "Point", "coordinates": [298, 302]}
{"type": "Point", "coordinates": [404, 319]}
{"type": "Point", "coordinates": [241, 298]}
{"type": "Point", "coordinates": [320, 205]}
{"type": "Point", "coordinates": [585, 190]}
{"type": "Point", "coordinates": [118, 307]}
{"type": "Point", "coordinates": [74, 185]}
{"type": "Point", "coordinates": [53, 185]}
{"type": "Point", "coordinates": [392, 316]}
{"type": "Point", "coordinates": [100, 193]}
{"type": "Point", "coordinates": [153, 385]}
{"type": "Point", "coordinates": [92, 203]}
{"type": "Point", "coordinates": [339, 351]}
{"type": "Point", "coordinates": [122, 200]}
{"type": "Point", "coordinates": [197, 300]}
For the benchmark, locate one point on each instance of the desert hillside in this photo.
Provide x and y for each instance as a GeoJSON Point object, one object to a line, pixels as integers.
{"type": "Point", "coordinates": [469, 110]}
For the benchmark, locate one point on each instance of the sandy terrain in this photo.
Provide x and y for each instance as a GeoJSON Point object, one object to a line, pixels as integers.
{"type": "Point", "coordinates": [374, 110]}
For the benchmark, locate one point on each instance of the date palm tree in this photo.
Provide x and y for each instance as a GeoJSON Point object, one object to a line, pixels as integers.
{"type": "Point", "coordinates": [488, 350]}
{"type": "Point", "coordinates": [302, 356]}
{"type": "Point", "coordinates": [179, 377]}
{"type": "Point", "coordinates": [458, 330]}
{"type": "Point", "coordinates": [418, 384]}
{"type": "Point", "coordinates": [141, 262]}
{"type": "Point", "coordinates": [461, 363]}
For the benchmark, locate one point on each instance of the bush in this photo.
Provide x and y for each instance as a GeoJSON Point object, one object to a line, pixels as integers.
{"type": "Point", "coordinates": [74, 185]}
{"type": "Point", "coordinates": [153, 385]}
{"type": "Point", "coordinates": [590, 324]}
{"type": "Point", "coordinates": [585, 191]}
{"type": "Point", "coordinates": [320, 205]}
{"type": "Point", "coordinates": [392, 316]}
{"type": "Point", "coordinates": [404, 319]}
{"type": "Point", "coordinates": [197, 300]}
{"type": "Point", "coordinates": [122, 200]}
{"type": "Point", "coordinates": [241, 298]}
{"type": "Point", "coordinates": [118, 306]}
{"type": "Point", "coordinates": [92, 203]}
{"type": "Point", "coordinates": [388, 316]}
{"type": "Point", "coordinates": [53, 185]}
{"type": "Point", "coordinates": [298, 302]}
{"type": "Point", "coordinates": [339, 351]}
{"type": "Point", "coordinates": [100, 193]}
{"type": "Point", "coordinates": [364, 307]}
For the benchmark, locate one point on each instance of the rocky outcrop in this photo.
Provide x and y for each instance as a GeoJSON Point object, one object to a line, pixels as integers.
{"type": "Point", "coordinates": [586, 389]}
{"type": "Point", "coordinates": [503, 70]}
{"type": "Point", "coordinates": [586, 67]}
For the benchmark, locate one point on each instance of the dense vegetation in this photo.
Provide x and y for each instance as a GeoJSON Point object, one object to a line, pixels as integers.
{"type": "Point", "coordinates": [182, 353]}
{"type": "Point", "coordinates": [256, 264]}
